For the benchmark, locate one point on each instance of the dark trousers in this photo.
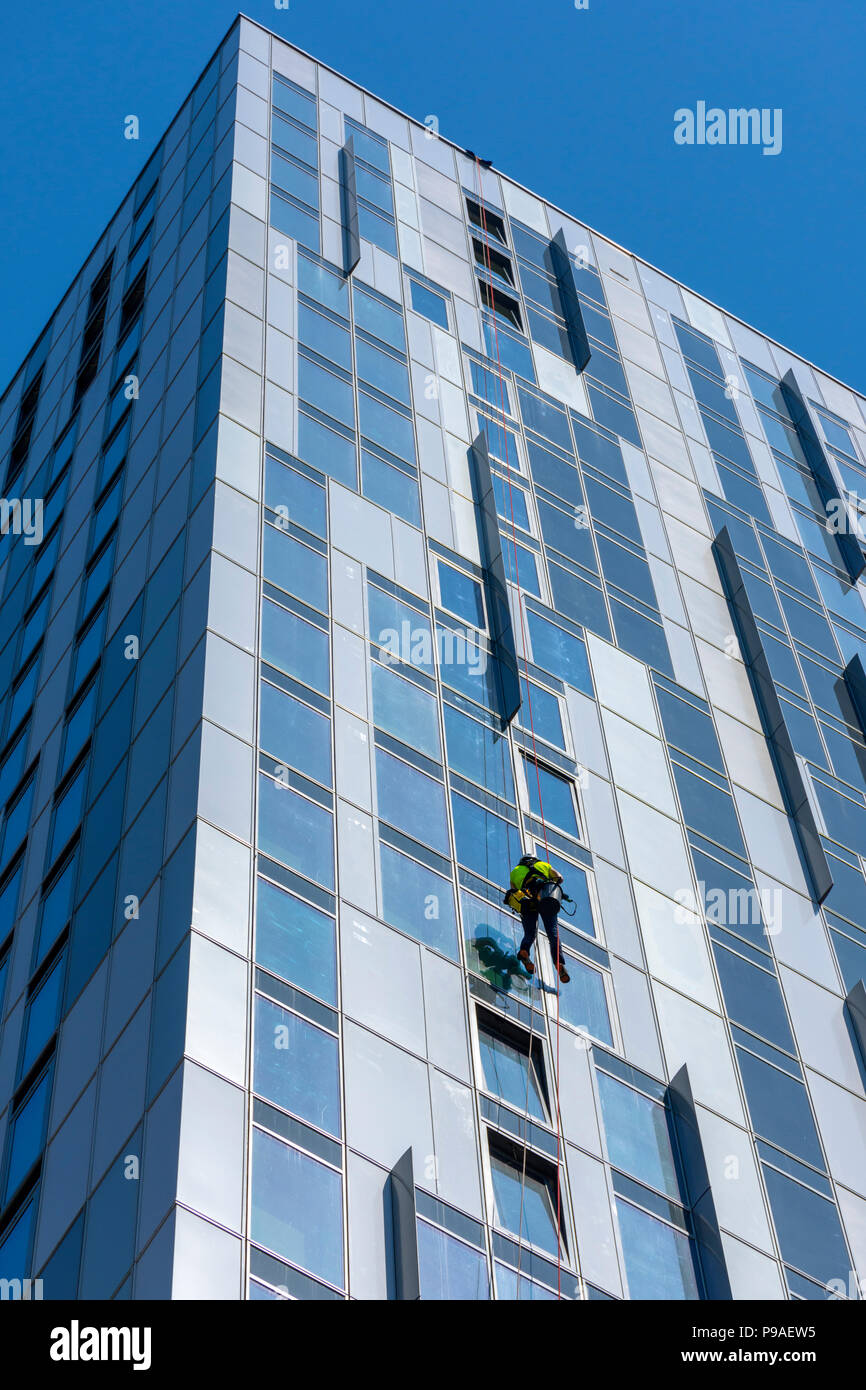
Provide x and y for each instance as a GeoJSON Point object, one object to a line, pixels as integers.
{"type": "Point", "coordinates": [549, 909]}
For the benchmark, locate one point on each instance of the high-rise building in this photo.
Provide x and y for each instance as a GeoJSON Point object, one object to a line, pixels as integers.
{"type": "Point", "coordinates": [370, 523]}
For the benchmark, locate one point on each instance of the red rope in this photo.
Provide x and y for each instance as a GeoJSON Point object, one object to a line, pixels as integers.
{"type": "Point", "coordinates": [534, 754]}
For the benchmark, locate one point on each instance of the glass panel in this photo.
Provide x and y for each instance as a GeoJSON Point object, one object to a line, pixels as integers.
{"type": "Point", "coordinates": [411, 801]}
{"type": "Point", "coordinates": [325, 449]}
{"type": "Point", "coordinates": [461, 594]}
{"type": "Point", "coordinates": [559, 653]}
{"type": "Point", "coordinates": [510, 1285]}
{"type": "Point", "coordinates": [637, 1135]}
{"type": "Point", "coordinates": [509, 1074]}
{"type": "Point", "coordinates": [297, 1207]}
{"type": "Point", "coordinates": [324, 336]}
{"type": "Point", "coordinates": [658, 1259]}
{"type": "Point", "coordinates": [295, 646]}
{"type": "Point", "coordinates": [296, 1065]}
{"type": "Point", "coordinates": [753, 998]}
{"type": "Point", "coordinates": [404, 710]}
{"type": "Point", "coordinates": [295, 733]}
{"type": "Point", "coordinates": [296, 941]}
{"type": "Point", "coordinates": [485, 843]}
{"type": "Point", "coordinates": [808, 1227]}
{"type": "Point", "coordinates": [418, 901]}
{"type": "Point", "coordinates": [42, 1015]}
{"type": "Point", "coordinates": [450, 1269]}
{"type": "Point", "coordinates": [390, 487]}
{"type": "Point", "coordinates": [779, 1108]}
{"type": "Point", "coordinates": [383, 371]}
{"type": "Point", "coordinates": [583, 1002]}
{"type": "Point", "coordinates": [432, 306]}
{"type": "Point", "coordinates": [402, 631]}
{"type": "Point", "coordinates": [535, 1217]}
{"type": "Point", "coordinates": [329, 393]}
{"type": "Point", "coordinates": [380, 319]}
{"type": "Point", "coordinates": [299, 499]}
{"type": "Point", "coordinates": [387, 427]}
{"type": "Point", "coordinates": [556, 797]}
{"type": "Point", "coordinates": [296, 831]}
{"type": "Point", "coordinates": [27, 1132]}
{"type": "Point", "coordinates": [479, 753]}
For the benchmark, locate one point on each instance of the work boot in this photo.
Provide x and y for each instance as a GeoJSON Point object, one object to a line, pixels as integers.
{"type": "Point", "coordinates": [563, 974]}
{"type": "Point", "coordinates": [529, 967]}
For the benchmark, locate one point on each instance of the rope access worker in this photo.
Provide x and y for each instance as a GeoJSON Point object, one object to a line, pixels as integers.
{"type": "Point", "coordinates": [536, 890]}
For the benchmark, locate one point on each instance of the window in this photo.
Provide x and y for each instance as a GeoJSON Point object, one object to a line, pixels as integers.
{"type": "Point", "coordinates": [296, 1065]}
{"type": "Point", "coordinates": [461, 594]}
{"type": "Point", "coordinates": [297, 1207]}
{"type": "Point", "coordinates": [636, 1132]}
{"type": "Point", "coordinates": [553, 793]}
{"type": "Point", "coordinates": [9, 901]}
{"type": "Point", "coordinates": [510, 1072]}
{"type": "Point", "coordinates": [513, 1286]}
{"type": "Point", "coordinates": [493, 261]}
{"type": "Point", "coordinates": [79, 723]}
{"type": "Point", "coordinates": [68, 810]}
{"type": "Point", "coordinates": [411, 801]}
{"type": "Point", "coordinates": [42, 1013]}
{"type": "Point", "coordinates": [56, 907]}
{"type": "Point", "coordinates": [296, 941]}
{"type": "Point", "coordinates": [429, 304]}
{"type": "Point", "coordinates": [489, 222]}
{"type": "Point", "coordinates": [583, 1001]}
{"type": "Point", "coordinates": [402, 708]}
{"type": "Point", "coordinates": [294, 163]}
{"type": "Point", "coordinates": [91, 341]}
{"type": "Point", "coordinates": [485, 842]}
{"type": "Point", "coordinates": [449, 1268]}
{"type": "Point", "coordinates": [658, 1259]}
{"type": "Point", "coordinates": [295, 567]}
{"type": "Point", "coordinates": [391, 484]}
{"type": "Point", "coordinates": [296, 831]}
{"type": "Point", "coordinates": [295, 733]}
{"type": "Point", "coordinates": [378, 316]}
{"type": "Point", "coordinates": [295, 646]}
{"type": "Point", "coordinates": [400, 630]}
{"type": "Point", "coordinates": [478, 752]}
{"type": "Point", "coordinates": [546, 721]}
{"type": "Point", "coordinates": [17, 822]}
{"type": "Point", "coordinates": [418, 901]}
{"type": "Point", "coordinates": [27, 1131]}
{"type": "Point", "coordinates": [501, 305]}
{"type": "Point", "coordinates": [525, 1205]}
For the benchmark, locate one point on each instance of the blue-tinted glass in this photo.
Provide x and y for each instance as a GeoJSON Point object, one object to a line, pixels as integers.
{"type": "Point", "coordinates": [402, 631]}
{"type": "Point", "coordinates": [501, 442]}
{"type": "Point", "coordinates": [379, 230]}
{"type": "Point", "coordinates": [380, 369]}
{"type": "Point", "coordinates": [324, 336]}
{"type": "Point", "coordinates": [382, 320]}
{"type": "Point", "coordinates": [509, 1074]}
{"type": "Point", "coordinates": [845, 818]}
{"type": "Point", "coordinates": [753, 998]}
{"type": "Point", "coordinates": [708, 810]}
{"type": "Point", "coordinates": [479, 753]}
{"type": "Point", "coordinates": [545, 417]}
{"type": "Point", "coordinates": [375, 189]}
{"type": "Point", "coordinates": [690, 729]}
{"type": "Point", "coordinates": [295, 567]}
{"type": "Point", "coordinates": [42, 1015]}
{"type": "Point", "coordinates": [67, 813]}
{"type": "Point", "coordinates": [450, 1269]}
{"type": "Point", "coordinates": [461, 594]}
{"type": "Point", "coordinates": [520, 564]}
{"type": "Point", "coordinates": [808, 1228]}
{"type": "Point", "coordinates": [614, 414]}
{"type": "Point", "coordinates": [11, 768]}
{"type": "Point", "coordinates": [296, 831]}
{"type": "Point", "coordinates": [611, 508]}
{"type": "Point", "coordinates": [296, 941]}
{"type": "Point", "coordinates": [524, 1205]}
{"type": "Point", "coordinates": [56, 908]}
{"type": "Point", "coordinates": [556, 474]}
{"type": "Point", "coordinates": [292, 179]}
{"type": "Point", "coordinates": [510, 1286]}
{"type": "Point", "coordinates": [17, 822]}
{"type": "Point", "coordinates": [332, 453]}
{"type": "Point", "coordinates": [15, 1244]}
{"type": "Point", "coordinates": [329, 393]}
{"type": "Point", "coordinates": [641, 637]}
{"type": "Point", "coordinates": [293, 221]}
{"type": "Point", "coordinates": [579, 911]}
{"type": "Point", "coordinates": [78, 727]}
{"type": "Point", "coordinates": [729, 899]}
{"type": "Point", "coordinates": [559, 653]}
{"type": "Point", "coordinates": [390, 487]}
{"type": "Point", "coordinates": [411, 801]}
{"type": "Point", "coordinates": [510, 502]}
{"type": "Point", "coordinates": [368, 147]}
{"type": "Point", "coordinates": [324, 285]}
{"type": "Point", "coordinates": [386, 427]}
{"type": "Point", "coordinates": [490, 386]}
{"type": "Point", "coordinates": [295, 646]}
{"type": "Point", "coordinates": [299, 499]}
{"type": "Point", "coordinates": [568, 532]}
{"type": "Point", "coordinates": [599, 451]}
{"type": "Point", "coordinates": [848, 894]}
{"type": "Point", "coordinates": [432, 306]}
{"type": "Point", "coordinates": [418, 901]}
{"type": "Point", "coordinates": [298, 142]}
{"type": "Point", "coordinates": [22, 696]}
{"type": "Point", "coordinates": [297, 1207]}
{"type": "Point", "coordinates": [296, 1065]}
{"type": "Point", "coordinates": [636, 1131]}
{"type": "Point", "coordinates": [404, 710]}
{"type": "Point", "coordinates": [27, 1132]}
{"type": "Point", "coordinates": [485, 843]}
{"type": "Point", "coordinates": [467, 667]}
{"type": "Point", "coordinates": [607, 369]}
{"type": "Point", "coordinates": [583, 1003]}
{"type": "Point", "coordinates": [290, 99]}
{"type": "Point", "coordinates": [658, 1259]}
{"type": "Point", "coordinates": [555, 804]}
{"type": "Point", "coordinates": [89, 647]}
{"type": "Point", "coordinates": [779, 1108]}
{"type": "Point", "coordinates": [851, 956]}
{"type": "Point", "coordinates": [295, 733]}
{"type": "Point", "coordinates": [34, 628]}
{"type": "Point", "coordinates": [578, 599]}
{"type": "Point", "coordinates": [540, 713]}
{"type": "Point", "coordinates": [626, 570]}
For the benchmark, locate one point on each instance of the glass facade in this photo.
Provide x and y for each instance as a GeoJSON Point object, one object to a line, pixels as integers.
{"type": "Point", "coordinates": [331, 586]}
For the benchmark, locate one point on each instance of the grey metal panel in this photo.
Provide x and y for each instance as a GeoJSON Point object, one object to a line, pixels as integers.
{"type": "Point", "coordinates": [349, 201]}
{"type": "Point", "coordinates": [499, 612]}
{"type": "Point", "coordinates": [564, 272]}
{"type": "Point", "coordinates": [407, 1278]}
{"type": "Point", "coordinates": [775, 730]}
{"type": "Point", "coordinates": [849, 547]}
{"type": "Point", "coordinates": [704, 1220]}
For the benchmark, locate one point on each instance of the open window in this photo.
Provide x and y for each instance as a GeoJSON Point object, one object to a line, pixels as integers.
{"type": "Point", "coordinates": [488, 222]}
{"type": "Point", "coordinates": [500, 304]}
{"type": "Point", "coordinates": [493, 261]}
{"type": "Point", "coordinates": [524, 1196]}
{"type": "Point", "coordinates": [512, 1065]}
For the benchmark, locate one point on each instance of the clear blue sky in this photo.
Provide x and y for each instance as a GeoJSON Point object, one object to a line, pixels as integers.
{"type": "Point", "coordinates": [577, 104]}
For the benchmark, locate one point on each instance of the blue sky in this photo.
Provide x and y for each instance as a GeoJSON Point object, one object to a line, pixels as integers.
{"type": "Point", "coordinates": [577, 104]}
